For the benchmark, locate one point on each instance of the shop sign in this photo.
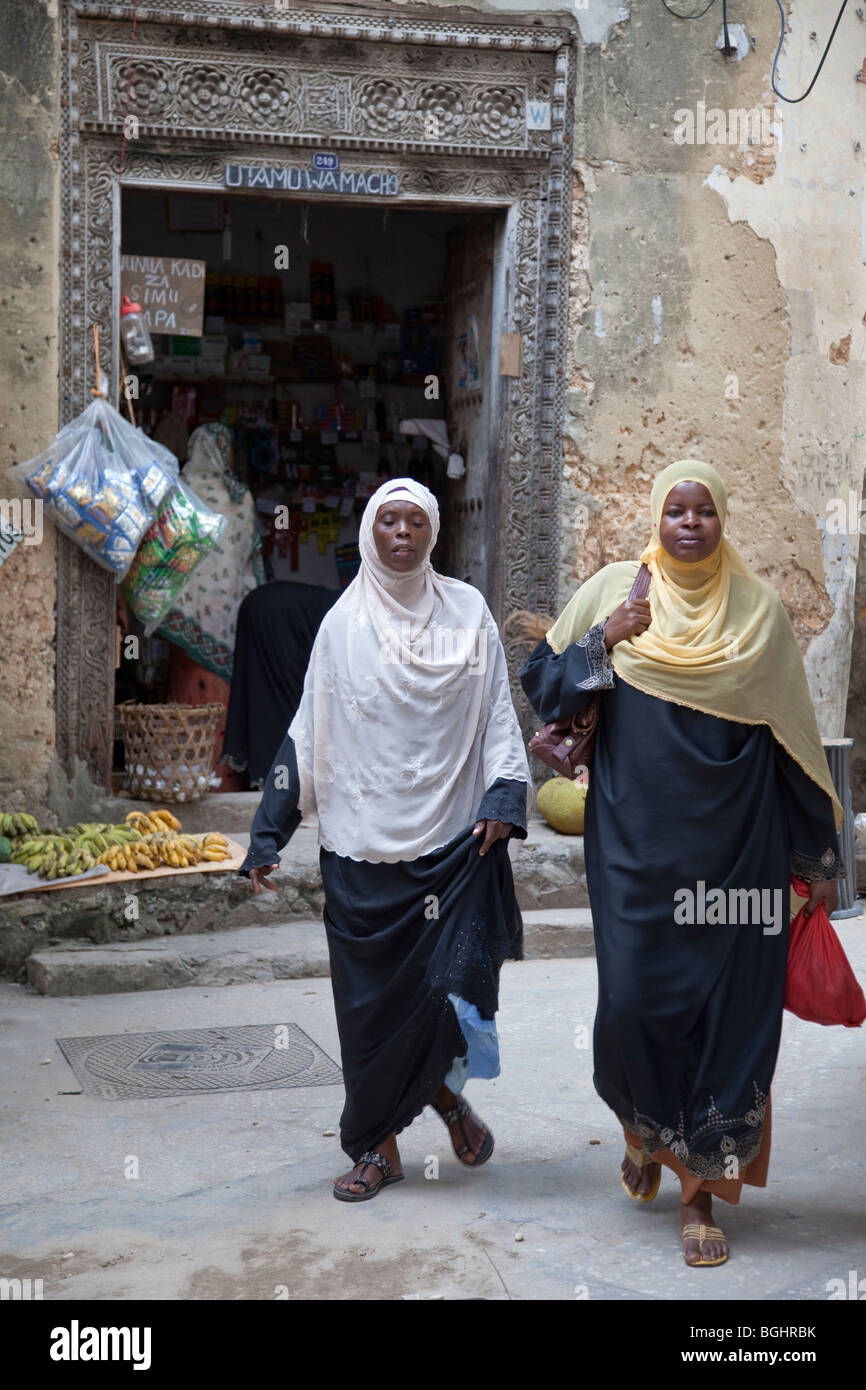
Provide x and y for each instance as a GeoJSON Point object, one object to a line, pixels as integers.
{"type": "Point", "coordinates": [169, 290]}
{"type": "Point", "coordinates": [312, 180]}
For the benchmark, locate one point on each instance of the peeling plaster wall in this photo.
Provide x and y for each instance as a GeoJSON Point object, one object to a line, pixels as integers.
{"type": "Point", "coordinates": [29, 261]}
{"type": "Point", "coordinates": [810, 211]}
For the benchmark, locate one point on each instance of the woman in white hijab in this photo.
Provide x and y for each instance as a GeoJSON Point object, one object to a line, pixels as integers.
{"type": "Point", "coordinates": [407, 745]}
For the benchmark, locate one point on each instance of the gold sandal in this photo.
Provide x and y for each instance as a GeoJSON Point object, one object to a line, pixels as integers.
{"type": "Point", "coordinates": [640, 1159]}
{"type": "Point", "coordinates": [698, 1231]}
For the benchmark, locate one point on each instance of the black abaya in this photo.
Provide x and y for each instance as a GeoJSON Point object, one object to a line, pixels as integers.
{"type": "Point", "coordinates": [402, 937]}
{"type": "Point", "coordinates": [689, 1014]}
{"type": "Point", "coordinates": [276, 629]}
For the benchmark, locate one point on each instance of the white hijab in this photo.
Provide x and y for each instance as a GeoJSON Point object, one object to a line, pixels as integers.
{"type": "Point", "coordinates": [406, 717]}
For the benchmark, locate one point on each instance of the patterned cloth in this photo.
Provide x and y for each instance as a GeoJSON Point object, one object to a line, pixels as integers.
{"type": "Point", "coordinates": [204, 621]}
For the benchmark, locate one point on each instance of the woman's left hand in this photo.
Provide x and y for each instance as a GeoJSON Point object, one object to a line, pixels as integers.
{"type": "Point", "coordinates": [493, 830]}
{"type": "Point", "coordinates": [823, 891]}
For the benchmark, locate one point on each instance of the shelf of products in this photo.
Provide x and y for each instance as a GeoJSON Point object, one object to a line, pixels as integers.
{"type": "Point", "coordinates": [315, 425]}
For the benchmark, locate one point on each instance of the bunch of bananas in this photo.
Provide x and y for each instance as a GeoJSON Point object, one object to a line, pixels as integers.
{"type": "Point", "coordinates": [17, 823]}
{"type": "Point", "coordinates": [96, 837]}
{"type": "Point", "coordinates": [152, 822]}
{"type": "Point", "coordinates": [35, 845]}
{"type": "Point", "coordinates": [176, 851]}
{"type": "Point", "coordinates": [214, 846]}
{"type": "Point", "coordinates": [129, 857]}
{"type": "Point", "coordinates": [53, 856]}
{"type": "Point", "coordinates": [58, 863]}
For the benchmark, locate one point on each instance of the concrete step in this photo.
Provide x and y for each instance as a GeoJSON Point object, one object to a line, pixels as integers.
{"type": "Point", "coordinates": [291, 951]}
{"type": "Point", "coordinates": [554, 933]}
{"type": "Point", "coordinates": [549, 869]}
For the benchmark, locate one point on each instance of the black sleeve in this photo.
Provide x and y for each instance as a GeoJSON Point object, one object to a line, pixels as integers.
{"type": "Point", "coordinates": [559, 685]}
{"type": "Point", "coordinates": [278, 817]}
{"type": "Point", "coordinates": [811, 826]}
{"type": "Point", "coordinates": [505, 800]}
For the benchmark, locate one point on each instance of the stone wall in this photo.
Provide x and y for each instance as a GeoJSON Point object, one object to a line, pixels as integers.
{"type": "Point", "coordinates": [29, 261]}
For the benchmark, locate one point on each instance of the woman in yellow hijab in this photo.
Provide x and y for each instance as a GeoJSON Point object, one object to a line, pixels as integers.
{"type": "Point", "coordinates": [709, 786]}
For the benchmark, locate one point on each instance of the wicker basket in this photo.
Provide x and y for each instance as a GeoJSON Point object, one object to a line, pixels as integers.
{"type": "Point", "coordinates": [168, 749]}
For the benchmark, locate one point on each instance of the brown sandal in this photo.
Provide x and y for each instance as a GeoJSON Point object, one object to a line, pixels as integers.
{"type": "Point", "coordinates": [367, 1160]}
{"type": "Point", "coordinates": [458, 1113]}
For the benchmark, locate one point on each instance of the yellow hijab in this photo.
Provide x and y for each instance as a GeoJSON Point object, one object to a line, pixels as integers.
{"type": "Point", "coordinates": [719, 641]}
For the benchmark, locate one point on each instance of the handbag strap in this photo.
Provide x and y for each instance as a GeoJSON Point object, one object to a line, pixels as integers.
{"type": "Point", "coordinates": [640, 587]}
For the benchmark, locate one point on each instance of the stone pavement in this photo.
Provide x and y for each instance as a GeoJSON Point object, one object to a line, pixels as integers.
{"type": "Point", "coordinates": [219, 1212]}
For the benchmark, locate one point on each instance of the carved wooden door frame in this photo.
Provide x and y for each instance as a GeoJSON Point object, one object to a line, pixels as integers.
{"type": "Point", "coordinates": [467, 111]}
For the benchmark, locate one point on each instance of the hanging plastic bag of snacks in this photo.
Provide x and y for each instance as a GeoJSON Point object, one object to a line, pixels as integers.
{"type": "Point", "coordinates": [102, 482]}
{"type": "Point", "coordinates": [183, 533]}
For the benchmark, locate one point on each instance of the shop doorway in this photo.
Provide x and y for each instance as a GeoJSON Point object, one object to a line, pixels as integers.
{"type": "Point", "coordinates": [457, 118]}
{"type": "Point", "coordinates": [338, 345]}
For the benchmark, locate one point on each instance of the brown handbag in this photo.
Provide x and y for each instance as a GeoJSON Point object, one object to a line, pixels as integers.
{"type": "Point", "coordinates": [567, 745]}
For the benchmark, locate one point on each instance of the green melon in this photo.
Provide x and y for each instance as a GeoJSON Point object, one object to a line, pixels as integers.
{"type": "Point", "coordinates": [5, 850]}
{"type": "Point", "coordinates": [562, 804]}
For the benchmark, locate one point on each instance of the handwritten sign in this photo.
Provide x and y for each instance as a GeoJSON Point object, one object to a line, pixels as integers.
{"type": "Point", "coordinates": [170, 292]}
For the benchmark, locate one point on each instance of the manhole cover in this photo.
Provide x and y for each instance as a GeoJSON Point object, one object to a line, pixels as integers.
{"type": "Point", "coordinates": [255, 1057]}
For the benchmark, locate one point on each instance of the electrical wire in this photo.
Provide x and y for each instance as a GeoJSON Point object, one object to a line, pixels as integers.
{"type": "Point", "coordinates": [727, 47]}
{"type": "Point", "coordinates": [697, 15]}
{"type": "Point", "coordinates": [792, 101]}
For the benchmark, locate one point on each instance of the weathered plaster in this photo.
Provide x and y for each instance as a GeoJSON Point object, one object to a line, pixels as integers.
{"type": "Point", "coordinates": [29, 257]}
{"type": "Point", "coordinates": [596, 19]}
{"type": "Point", "coordinates": [810, 210]}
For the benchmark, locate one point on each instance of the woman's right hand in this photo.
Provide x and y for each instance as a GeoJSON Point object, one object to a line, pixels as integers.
{"type": "Point", "coordinates": [632, 616]}
{"type": "Point", "coordinates": [257, 877]}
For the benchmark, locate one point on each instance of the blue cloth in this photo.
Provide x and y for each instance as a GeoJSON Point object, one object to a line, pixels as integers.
{"type": "Point", "coordinates": [482, 1043]}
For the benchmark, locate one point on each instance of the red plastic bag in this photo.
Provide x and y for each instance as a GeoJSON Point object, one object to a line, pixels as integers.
{"type": "Point", "coordinates": [821, 986]}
